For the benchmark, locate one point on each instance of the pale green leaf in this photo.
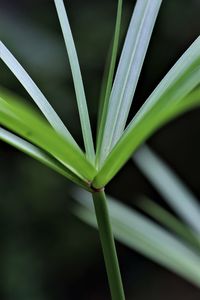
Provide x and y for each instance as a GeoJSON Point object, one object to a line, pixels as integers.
{"type": "Point", "coordinates": [139, 233]}
{"type": "Point", "coordinates": [108, 80]}
{"type": "Point", "coordinates": [34, 92]}
{"type": "Point", "coordinates": [170, 187]}
{"type": "Point", "coordinates": [129, 68]}
{"type": "Point", "coordinates": [169, 221]}
{"type": "Point", "coordinates": [40, 155]}
{"type": "Point", "coordinates": [167, 101]}
{"type": "Point", "coordinates": [77, 78]}
{"type": "Point", "coordinates": [28, 124]}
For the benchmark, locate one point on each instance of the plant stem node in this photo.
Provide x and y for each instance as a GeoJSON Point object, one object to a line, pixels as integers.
{"type": "Point", "coordinates": [97, 190]}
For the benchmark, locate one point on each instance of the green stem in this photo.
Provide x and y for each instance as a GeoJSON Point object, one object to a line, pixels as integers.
{"type": "Point", "coordinates": [108, 246]}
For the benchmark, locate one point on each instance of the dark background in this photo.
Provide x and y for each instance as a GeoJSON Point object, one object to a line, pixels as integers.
{"type": "Point", "coordinates": [45, 252]}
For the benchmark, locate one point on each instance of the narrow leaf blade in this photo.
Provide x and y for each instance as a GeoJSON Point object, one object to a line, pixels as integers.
{"type": "Point", "coordinates": [26, 123]}
{"type": "Point", "coordinates": [39, 155]}
{"type": "Point", "coordinates": [34, 92]}
{"type": "Point", "coordinates": [104, 101]}
{"type": "Point", "coordinates": [131, 61]}
{"type": "Point", "coordinates": [167, 101]}
{"type": "Point", "coordinates": [169, 221]}
{"type": "Point", "coordinates": [77, 78]}
{"type": "Point", "coordinates": [172, 189]}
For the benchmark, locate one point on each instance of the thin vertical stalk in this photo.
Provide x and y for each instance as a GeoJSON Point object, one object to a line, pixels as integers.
{"type": "Point", "coordinates": [108, 246]}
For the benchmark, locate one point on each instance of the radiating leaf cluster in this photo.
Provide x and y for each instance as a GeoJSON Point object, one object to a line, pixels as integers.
{"type": "Point", "coordinates": [173, 96]}
{"type": "Point", "coordinates": [49, 141]}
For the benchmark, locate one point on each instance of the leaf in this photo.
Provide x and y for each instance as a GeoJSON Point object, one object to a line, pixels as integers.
{"type": "Point", "coordinates": [34, 92]}
{"type": "Point", "coordinates": [166, 102]}
{"type": "Point", "coordinates": [175, 193]}
{"type": "Point", "coordinates": [188, 103]}
{"type": "Point", "coordinates": [139, 233]}
{"type": "Point", "coordinates": [128, 71]}
{"type": "Point", "coordinates": [77, 78]}
{"type": "Point", "coordinates": [40, 155]}
{"type": "Point", "coordinates": [108, 78]}
{"type": "Point", "coordinates": [25, 122]}
{"type": "Point", "coordinates": [169, 221]}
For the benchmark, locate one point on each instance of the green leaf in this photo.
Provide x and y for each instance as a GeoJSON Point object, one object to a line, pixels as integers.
{"type": "Point", "coordinates": [34, 92]}
{"type": "Point", "coordinates": [139, 233]}
{"type": "Point", "coordinates": [175, 193]}
{"type": "Point", "coordinates": [131, 61]}
{"type": "Point", "coordinates": [40, 155]}
{"type": "Point", "coordinates": [191, 101]}
{"type": "Point", "coordinates": [166, 102]}
{"type": "Point", "coordinates": [104, 101]}
{"type": "Point", "coordinates": [27, 123]}
{"type": "Point", "coordinates": [165, 218]}
{"type": "Point", "coordinates": [77, 78]}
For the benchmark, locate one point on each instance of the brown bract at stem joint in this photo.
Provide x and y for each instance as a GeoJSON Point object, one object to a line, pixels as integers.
{"type": "Point", "coordinates": [97, 190]}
